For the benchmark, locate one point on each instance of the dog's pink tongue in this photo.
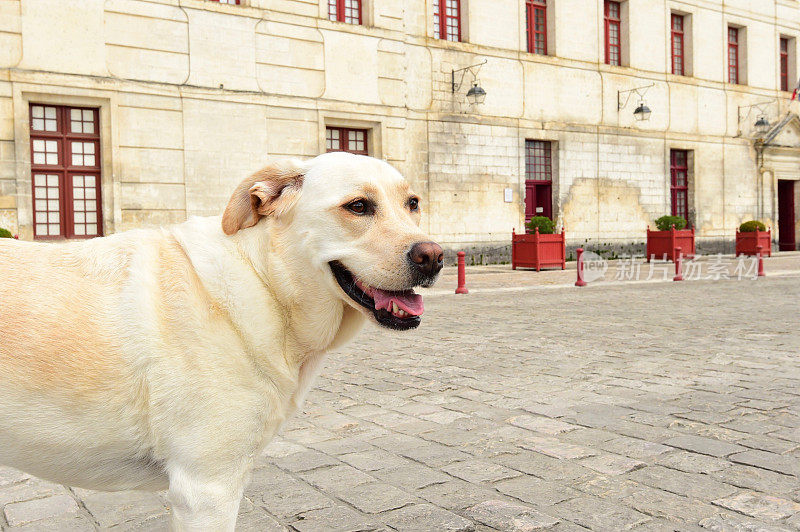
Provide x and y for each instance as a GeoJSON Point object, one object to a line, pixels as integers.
{"type": "Point", "coordinates": [408, 301]}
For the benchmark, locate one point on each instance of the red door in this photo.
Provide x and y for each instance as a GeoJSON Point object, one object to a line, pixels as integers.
{"type": "Point", "coordinates": [786, 235]}
{"type": "Point", "coordinates": [538, 199]}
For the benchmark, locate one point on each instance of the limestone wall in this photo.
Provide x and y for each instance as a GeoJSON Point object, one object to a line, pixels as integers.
{"type": "Point", "coordinates": [195, 95]}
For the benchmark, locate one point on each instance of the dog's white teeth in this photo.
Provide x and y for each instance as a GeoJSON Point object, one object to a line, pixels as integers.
{"type": "Point", "coordinates": [394, 308]}
{"type": "Point", "coordinates": [402, 313]}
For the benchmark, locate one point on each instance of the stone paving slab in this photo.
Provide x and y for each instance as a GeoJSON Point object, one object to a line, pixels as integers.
{"type": "Point", "coordinates": [621, 406]}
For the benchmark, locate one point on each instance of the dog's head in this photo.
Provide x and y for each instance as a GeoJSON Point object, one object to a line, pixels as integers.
{"type": "Point", "coordinates": [356, 220]}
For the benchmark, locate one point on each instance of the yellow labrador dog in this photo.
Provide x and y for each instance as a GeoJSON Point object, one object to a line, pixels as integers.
{"type": "Point", "coordinates": [168, 359]}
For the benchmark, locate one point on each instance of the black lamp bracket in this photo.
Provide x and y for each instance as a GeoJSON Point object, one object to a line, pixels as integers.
{"type": "Point", "coordinates": [639, 91]}
{"type": "Point", "coordinates": [472, 69]}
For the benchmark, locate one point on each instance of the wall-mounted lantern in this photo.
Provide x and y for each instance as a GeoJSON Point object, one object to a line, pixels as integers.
{"type": "Point", "coordinates": [476, 94]}
{"type": "Point", "coordinates": [642, 111]}
{"type": "Point", "coordinates": [762, 125]}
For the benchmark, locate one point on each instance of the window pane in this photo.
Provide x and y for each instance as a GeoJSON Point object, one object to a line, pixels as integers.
{"type": "Point", "coordinates": [436, 27]}
{"type": "Point", "coordinates": [537, 160]}
{"type": "Point", "coordinates": [352, 11]}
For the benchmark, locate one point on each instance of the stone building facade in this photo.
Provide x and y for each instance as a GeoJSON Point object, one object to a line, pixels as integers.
{"type": "Point", "coordinates": [187, 97]}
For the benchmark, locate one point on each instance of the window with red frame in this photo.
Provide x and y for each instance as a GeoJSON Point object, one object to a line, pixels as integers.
{"type": "Point", "coordinates": [679, 183]}
{"type": "Point", "coordinates": [447, 20]}
{"type": "Point", "coordinates": [346, 139]}
{"type": "Point", "coordinates": [537, 26]}
{"type": "Point", "coordinates": [733, 55]}
{"type": "Point", "coordinates": [348, 11]}
{"type": "Point", "coordinates": [784, 64]}
{"type": "Point", "coordinates": [538, 179]}
{"type": "Point", "coordinates": [538, 163]}
{"type": "Point", "coordinates": [613, 23]}
{"type": "Point", "coordinates": [65, 171]}
{"type": "Point", "coordinates": [678, 65]}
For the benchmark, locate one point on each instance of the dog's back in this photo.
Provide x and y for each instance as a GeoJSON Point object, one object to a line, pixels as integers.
{"type": "Point", "coordinates": [65, 379]}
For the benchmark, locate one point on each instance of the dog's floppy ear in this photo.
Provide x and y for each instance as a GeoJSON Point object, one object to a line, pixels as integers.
{"type": "Point", "coordinates": [269, 192]}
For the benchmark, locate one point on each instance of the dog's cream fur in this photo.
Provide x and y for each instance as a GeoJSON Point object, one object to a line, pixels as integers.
{"type": "Point", "coordinates": [169, 359]}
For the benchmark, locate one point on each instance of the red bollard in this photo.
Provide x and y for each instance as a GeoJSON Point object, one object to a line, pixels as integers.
{"type": "Point", "coordinates": [462, 274]}
{"type": "Point", "coordinates": [678, 265]}
{"type": "Point", "coordinates": [580, 281]}
{"type": "Point", "coordinates": [760, 261]}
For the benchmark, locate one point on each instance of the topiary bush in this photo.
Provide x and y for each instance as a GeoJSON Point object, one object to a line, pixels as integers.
{"type": "Point", "coordinates": [546, 225]}
{"type": "Point", "coordinates": [5, 233]}
{"type": "Point", "coordinates": [751, 226]}
{"type": "Point", "coordinates": [665, 223]}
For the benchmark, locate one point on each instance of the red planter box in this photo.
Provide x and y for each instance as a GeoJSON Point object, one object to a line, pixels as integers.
{"type": "Point", "coordinates": [662, 244]}
{"type": "Point", "coordinates": [746, 243]}
{"type": "Point", "coordinates": [538, 251]}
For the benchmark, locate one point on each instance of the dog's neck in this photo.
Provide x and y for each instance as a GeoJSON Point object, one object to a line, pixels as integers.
{"type": "Point", "coordinates": [316, 317]}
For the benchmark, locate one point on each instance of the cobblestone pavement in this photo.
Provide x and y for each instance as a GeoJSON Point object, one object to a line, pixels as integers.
{"type": "Point", "coordinates": [644, 406]}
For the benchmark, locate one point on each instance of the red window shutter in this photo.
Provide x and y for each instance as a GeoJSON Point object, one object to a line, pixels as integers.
{"type": "Point", "coordinates": [613, 33]}
{"type": "Point", "coordinates": [733, 55]}
{"type": "Point", "coordinates": [537, 26]}
{"type": "Point", "coordinates": [65, 172]}
{"type": "Point", "coordinates": [678, 65]}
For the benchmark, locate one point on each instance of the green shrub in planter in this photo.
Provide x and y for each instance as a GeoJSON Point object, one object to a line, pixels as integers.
{"type": "Point", "coordinates": [665, 223]}
{"type": "Point", "coordinates": [546, 225]}
{"type": "Point", "coordinates": [5, 233]}
{"type": "Point", "coordinates": [751, 226]}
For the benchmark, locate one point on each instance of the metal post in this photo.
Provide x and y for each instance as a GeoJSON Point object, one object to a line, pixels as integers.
{"type": "Point", "coordinates": [580, 281]}
{"type": "Point", "coordinates": [462, 274]}
{"type": "Point", "coordinates": [759, 249]}
{"type": "Point", "coordinates": [678, 264]}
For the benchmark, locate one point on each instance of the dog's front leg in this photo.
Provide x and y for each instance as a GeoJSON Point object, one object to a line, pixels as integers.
{"type": "Point", "coordinates": [203, 502]}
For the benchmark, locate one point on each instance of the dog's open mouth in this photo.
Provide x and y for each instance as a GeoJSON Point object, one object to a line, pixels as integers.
{"type": "Point", "coordinates": [399, 310]}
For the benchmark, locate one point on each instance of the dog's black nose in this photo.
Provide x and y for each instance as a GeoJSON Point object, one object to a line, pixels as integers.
{"type": "Point", "coordinates": [427, 257]}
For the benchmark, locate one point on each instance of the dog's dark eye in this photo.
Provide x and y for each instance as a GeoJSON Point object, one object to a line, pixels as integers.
{"type": "Point", "coordinates": [358, 207]}
{"type": "Point", "coordinates": [413, 204]}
